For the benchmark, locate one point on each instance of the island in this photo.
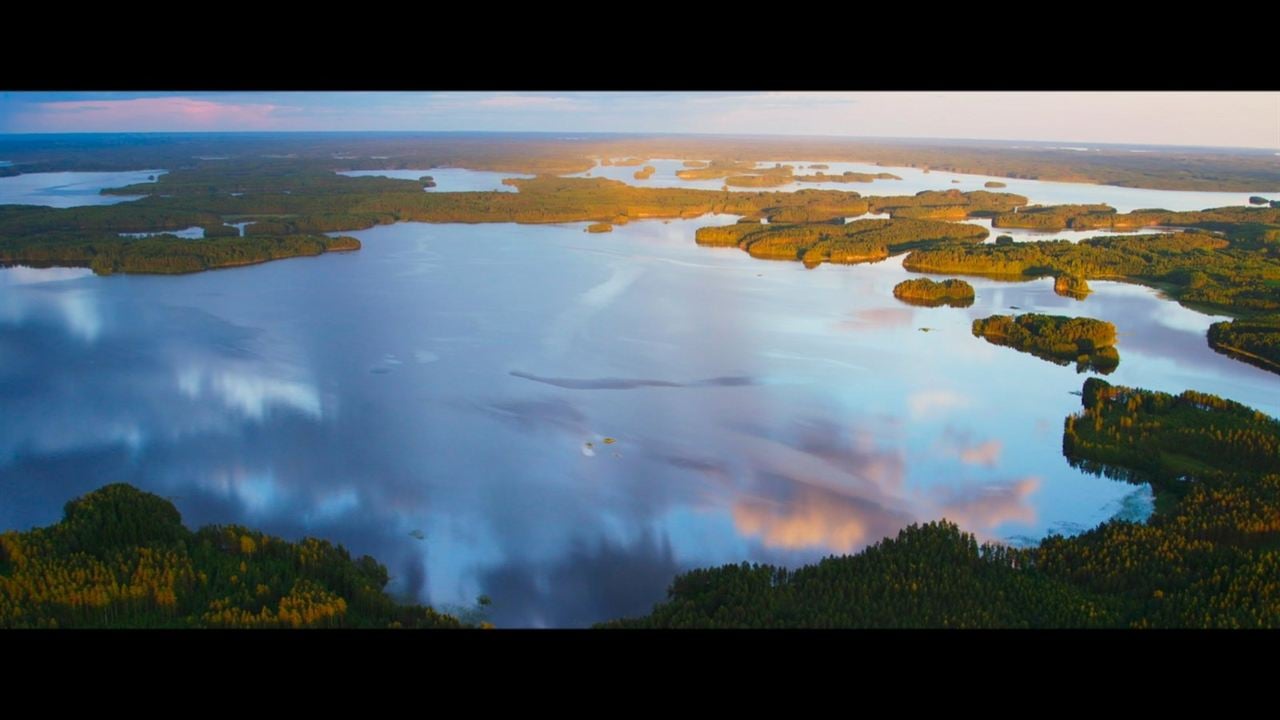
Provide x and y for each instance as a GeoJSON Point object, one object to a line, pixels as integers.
{"type": "Point", "coordinates": [1088, 343]}
{"type": "Point", "coordinates": [845, 177]}
{"type": "Point", "coordinates": [1236, 272]}
{"type": "Point", "coordinates": [1072, 286]}
{"type": "Point", "coordinates": [848, 243]}
{"type": "Point", "coordinates": [765, 180]}
{"type": "Point", "coordinates": [1255, 341]}
{"type": "Point", "coordinates": [927, 293]}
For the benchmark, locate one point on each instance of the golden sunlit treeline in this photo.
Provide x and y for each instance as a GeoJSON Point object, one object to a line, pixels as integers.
{"type": "Point", "coordinates": [927, 293]}
{"type": "Point", "coordinates": [1208, 557]}
{"type": "Point", "coordinates": [1105, 217]}
{"type": "Point", "coordinates": [847, 176]}
{"type": "Point", "coordinates": [1088, 343]}
{"type": "Point", "coordinates": [122, 558]}
{"type": "Point", "coordinates": [288, 210]}
{"type": "Point", "coordinates": [1232, 273]}
{"type": "Point", "coordinates": [1072, 286]}
{"type": "Point", "coordinates": [854, 242]}
{"type": "Point", "coordinates": [164, 254]}
{"type": "Point", "coordinates": [1255, 341]}
{"type": "Point", "coordinates": [720, 168]}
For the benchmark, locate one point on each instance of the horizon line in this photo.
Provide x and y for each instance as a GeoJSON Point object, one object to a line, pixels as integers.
{"type": "Point", "coordinates": [560, 133]}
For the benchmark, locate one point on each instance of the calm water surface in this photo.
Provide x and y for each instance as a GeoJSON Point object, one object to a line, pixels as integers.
{"type": "Point", "coordinates": [70, 189]}
{"type": "Point", "coordinates": [194, 232]}
{"type": "Point", "coordinates": [915, 180]}
{"type": "Point", "coordinates": [442, 398]}
{"type": "Point", "coordinates": [447, 179]}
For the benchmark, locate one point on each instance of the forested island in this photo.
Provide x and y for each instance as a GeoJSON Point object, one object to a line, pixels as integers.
{"type": "Point", "coordinates": [1237, 273]}
{"type": "Point", "coordinates": [927, 293]}
{"type": "Point", "coordinates": [1255, 341]}
{"type": "Point", "coordinates": [1072, 286]}
{"type": "Point", "coordinates": [1262, 224]}
{"type": "Point", "coordinates": [121, 558]}
{"type": "Point", "coordinates": [854, 242]}
{"type": "Point", "coordinates": [816, 232]}
{"type": "Point", "coordinates": [847, 176]}
{"type": "Point", "coordinates": [1207, 558]}
{"type": "Point", "coordinates": [1088, 343]}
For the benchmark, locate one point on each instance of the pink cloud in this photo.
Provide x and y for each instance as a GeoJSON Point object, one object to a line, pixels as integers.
{"type": "Point", "coordinates": [166, 113]}
{"type": "Point", "coordinates": [530, 102]}
{"type": "Point", "coordinates": [816, 518]}
{"type": "Point", "coordinates": [981, 509]}
{"type": "Point", "coordinates": [877, 318]}
{"type": "Point", "coordinates": [988, 453]}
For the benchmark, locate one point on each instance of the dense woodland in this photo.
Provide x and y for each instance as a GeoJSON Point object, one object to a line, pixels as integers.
{"type": "Point", "coordinates": [927, 293]}
{"type": "Point", "coordinates": [1199, 269]}
{"type": "Point", "coordinates": [121, 558]}
{"type": "Point", "coordinates": [1255, 341]}
{"type": "Point", "coordinates": [1072, 286]}
{"type": "Point", "coordinates": [1263, 223]}
{"type": "Point", "coordinates": [847, 176]}
{"type": "Point", "coordinates": [1208, 558]}
{"type": "Point", "coordinates": [854, 242]}
{"type": "Point", "coordinates": [288, 211]}
{"type": "Point", "coordinates": [1088, 343]}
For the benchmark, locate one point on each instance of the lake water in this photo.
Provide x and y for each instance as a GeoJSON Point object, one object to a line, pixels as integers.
{"type": "Point", "coordinates": [915, 180]}
{"type": "Point", "coordinates": [194, 232]}
{"type": "Point", "coordinates": [448, 179]}
{"type": "Point", "coordinates": [70, 189]}
{"type": "Point", "coordinates": [442, 400]}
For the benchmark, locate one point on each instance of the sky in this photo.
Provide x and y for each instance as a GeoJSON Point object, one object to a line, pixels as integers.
{"type": "Point", "coordinates": [1222, 119]}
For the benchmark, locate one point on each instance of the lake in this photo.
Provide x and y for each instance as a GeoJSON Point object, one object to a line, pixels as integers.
{"type": "Point", "coordinates": [562, 420]}
{"type": "Point", "coordinates": [192, 233]}
{"type": "Point", "coordinates": [70, 189]}
{"type": "Point", "coordinates": [447, 179]}
{"type": "Point", "coordinates": [914, 180]}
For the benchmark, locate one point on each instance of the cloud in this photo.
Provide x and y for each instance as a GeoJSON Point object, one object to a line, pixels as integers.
{"type": "Point", "coordinates": [250, 391]}
{"type": "Point", "coordinates": [886, 317]}
{"type": "Point", "coordinates": [181, 113]}
{"type": "Point", "coordinates": [532, 102]}
{"type": "Point", "coordinates": [987, 453]}
{"type": "Point", "coordinates": [816, 518]}
{"type": "Point", "coordinates": [929, 402]}
{"type": "Point", "coordinates": [984, 508]}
